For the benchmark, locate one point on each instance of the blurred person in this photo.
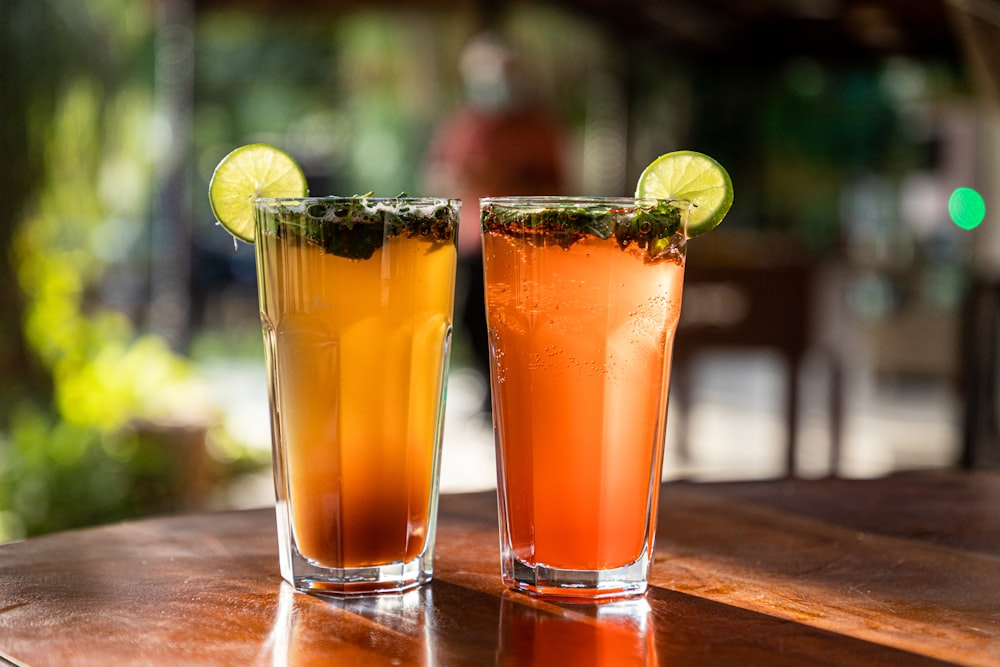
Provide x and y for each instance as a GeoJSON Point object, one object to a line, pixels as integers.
{"type": "Point", "coordinates": [500, 142]}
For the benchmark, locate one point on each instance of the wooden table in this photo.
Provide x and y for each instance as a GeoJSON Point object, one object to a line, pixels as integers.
{"type": "Point", "coordinates": [904, 570]}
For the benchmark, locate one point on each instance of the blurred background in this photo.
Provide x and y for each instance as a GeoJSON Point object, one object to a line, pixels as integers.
{"type": "Point", "coordinates": [840, 322]}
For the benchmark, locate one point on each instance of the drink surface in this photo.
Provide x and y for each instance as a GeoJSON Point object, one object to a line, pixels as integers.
{"type": "Point", "coordinates": [357, 355]}
{"type": "Point", "coordinates": [581, 335]}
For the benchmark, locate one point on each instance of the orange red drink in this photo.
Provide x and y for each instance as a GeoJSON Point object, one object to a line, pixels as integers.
{"type": "Point", "coordinates": [583, 298]}
{"type": "Point", "coordinates": [356, 299]}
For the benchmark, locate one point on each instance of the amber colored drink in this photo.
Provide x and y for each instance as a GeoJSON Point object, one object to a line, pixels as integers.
{"type": "Point", "coordinates": [356, 300]}
{"type": "Point", "coordinates": [581, 327]}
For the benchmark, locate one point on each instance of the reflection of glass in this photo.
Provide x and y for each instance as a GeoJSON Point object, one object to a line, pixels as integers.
{"type": "Point", "coordinates": [610, 634]}
{"type": "Point", "coordinates": [583, 298]}
{"type": "Point", "coordinates": [356, 299]}
{"type": "Point", "coordinates": [317, 631]}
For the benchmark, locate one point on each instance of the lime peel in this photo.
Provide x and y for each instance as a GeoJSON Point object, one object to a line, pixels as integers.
{"type": "Point", "coordinates": [692, 177]}
{"type": "Point", "coordinates": [247, 173]}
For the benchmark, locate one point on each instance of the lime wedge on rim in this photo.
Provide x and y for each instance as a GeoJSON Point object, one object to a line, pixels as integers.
{"type": "Point", "coordinates": [249, 172]}
{"type": "Point", "coordinates": [694, 177]}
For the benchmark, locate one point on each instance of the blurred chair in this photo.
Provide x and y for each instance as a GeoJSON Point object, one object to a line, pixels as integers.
{"type": "Point", "coordinates": [980, 357]}
{"type": "Point", "coordinates": [761, 299]}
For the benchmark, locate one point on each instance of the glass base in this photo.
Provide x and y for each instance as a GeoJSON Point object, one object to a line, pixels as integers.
{"type": "Point", "coordinates": [305, 575]}
{"type": "Point", "coordinates": [392, 578]}
{"type": "Point", "coordinates": [580, 585]}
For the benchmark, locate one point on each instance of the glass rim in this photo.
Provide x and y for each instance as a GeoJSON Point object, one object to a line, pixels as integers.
{"type": "Point", "coordinates": [347, 199]}
{"type": "Point", "coordinates": [561, 201]}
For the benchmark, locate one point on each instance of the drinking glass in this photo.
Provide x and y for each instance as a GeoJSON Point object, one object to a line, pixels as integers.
{"type": "Point", "coordinates": [583, 296]}
{"type": "Point", "coordinates": [356, 299]}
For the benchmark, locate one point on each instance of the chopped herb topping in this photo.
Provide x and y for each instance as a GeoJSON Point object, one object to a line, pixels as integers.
{"type": "Point", "coordinates": [653, 228]}
{"type": "Point", "coordinates": [356, 227]}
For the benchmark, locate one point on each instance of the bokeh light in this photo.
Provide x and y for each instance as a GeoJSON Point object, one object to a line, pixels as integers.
{"type": "Point", "coordinates": [966, 208]}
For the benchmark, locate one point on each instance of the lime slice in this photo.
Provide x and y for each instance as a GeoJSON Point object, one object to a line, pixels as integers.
{"type": "Point", "coordinates": [249, 172]}
{"type": "Point", "coordinates": [693, 177]}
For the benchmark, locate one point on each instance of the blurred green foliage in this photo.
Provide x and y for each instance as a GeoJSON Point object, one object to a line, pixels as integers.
{"type": "Point", "coordinates": [94, 450]}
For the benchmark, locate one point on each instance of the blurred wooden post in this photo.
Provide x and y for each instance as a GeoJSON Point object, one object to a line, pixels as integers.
{"type": "Point", "coordinates": [170, 237]}
{"type": "Point", "coordinates": [980, 356]}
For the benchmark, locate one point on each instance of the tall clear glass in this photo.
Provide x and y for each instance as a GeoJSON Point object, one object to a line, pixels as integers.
{"type": "Point", "coordinates": [583, 296]}
{"type": "Point", "coordinates": [356, 300]}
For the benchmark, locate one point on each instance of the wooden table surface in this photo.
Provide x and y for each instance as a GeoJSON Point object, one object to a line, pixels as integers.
{"type": "Point", "coordinates": [896, 571]}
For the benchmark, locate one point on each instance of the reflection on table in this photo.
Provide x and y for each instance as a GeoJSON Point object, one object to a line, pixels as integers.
{"type": "Point", "coordinates": [901, 570]}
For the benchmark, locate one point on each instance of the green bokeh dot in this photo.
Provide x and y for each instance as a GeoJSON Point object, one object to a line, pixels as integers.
{"type": "Point", "coordinates": [966, 208]}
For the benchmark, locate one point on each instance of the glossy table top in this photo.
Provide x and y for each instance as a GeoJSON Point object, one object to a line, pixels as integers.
{"type": "Point", "coordinates": [903, 570]}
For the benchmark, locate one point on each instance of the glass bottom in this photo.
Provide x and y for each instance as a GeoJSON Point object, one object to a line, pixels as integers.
{"type": "Point", "coordinates": [305, 575]}
{"type": "Point", "coordinates": [580, 585]}
{"type": "Point", "coordinates": [392, 578]}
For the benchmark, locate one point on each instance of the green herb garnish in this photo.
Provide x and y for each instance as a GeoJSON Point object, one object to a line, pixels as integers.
{"type": "Point", "coordinates": [356, 227]}
{"type": "Point", "coordinates": [652, 228]}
